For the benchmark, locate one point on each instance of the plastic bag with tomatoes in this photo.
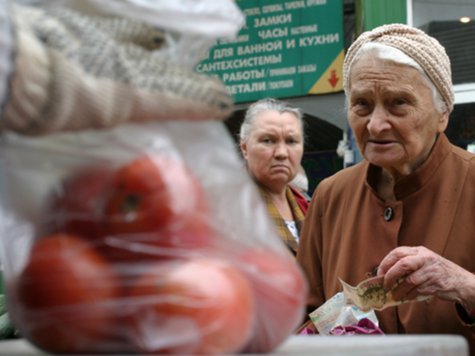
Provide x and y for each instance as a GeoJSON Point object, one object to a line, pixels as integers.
{"type": "Point", "coordinates": [145, 238]}
{"type": "Point", "coordinates": [156, 244]}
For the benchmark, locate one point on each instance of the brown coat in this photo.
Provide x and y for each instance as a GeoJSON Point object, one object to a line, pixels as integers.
{"type": "Point", "coordinates": [346, 235]}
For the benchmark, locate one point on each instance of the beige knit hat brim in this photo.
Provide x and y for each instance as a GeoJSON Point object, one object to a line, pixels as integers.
{"type": "Point", "coordinates": [415, 43]}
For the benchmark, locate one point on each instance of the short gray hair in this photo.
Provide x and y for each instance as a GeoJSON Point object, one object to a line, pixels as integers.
{"type": "Point", "coordinates": [264, 105]}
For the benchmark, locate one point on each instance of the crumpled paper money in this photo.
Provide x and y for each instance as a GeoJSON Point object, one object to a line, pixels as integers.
{"type": "Point", "coordinates": [371, 295]}
{"type": "Point", "coordinates": [336, 313]}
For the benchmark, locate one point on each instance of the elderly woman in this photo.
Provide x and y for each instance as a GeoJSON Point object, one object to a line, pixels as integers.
{"type": "Point", "coordinates": [271, 142]}
{"type": "Point", "coordinates": [406, 212]}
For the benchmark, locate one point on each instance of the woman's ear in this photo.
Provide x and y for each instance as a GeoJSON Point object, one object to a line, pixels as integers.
{"type": "Point", "coordinates": [243, 147]}
{"type": "Point", "coordinates": [443, 121]}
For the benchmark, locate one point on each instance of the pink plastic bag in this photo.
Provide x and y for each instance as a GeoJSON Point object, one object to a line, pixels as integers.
{"type": "Point", "coordinates": [363, 327]}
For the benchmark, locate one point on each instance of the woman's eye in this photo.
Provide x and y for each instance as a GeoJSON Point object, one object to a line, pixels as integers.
{"type": "Point", "coordinates": [361, 102]}
{"type": "Point", "coordinates": [361, 107]}
{"type": "Point", "coordinates": [399, 102]}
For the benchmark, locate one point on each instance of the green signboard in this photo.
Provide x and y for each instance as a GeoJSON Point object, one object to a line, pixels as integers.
{"type": "Point", "coordinates": [285, 49]}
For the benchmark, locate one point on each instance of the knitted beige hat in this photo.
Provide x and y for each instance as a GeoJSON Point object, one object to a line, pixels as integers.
{"type": "Point", "coordinates": [418, 45]}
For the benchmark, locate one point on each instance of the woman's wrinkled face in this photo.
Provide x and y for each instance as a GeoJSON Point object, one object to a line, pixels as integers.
{"type": "Point", "coordinates": [274, 148]}
{"type": "Point", "coordinates": [392, 114]}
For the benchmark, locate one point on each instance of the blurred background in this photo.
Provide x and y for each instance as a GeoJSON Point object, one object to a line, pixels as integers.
{"type": "Point", "coordinates": [299, 34]}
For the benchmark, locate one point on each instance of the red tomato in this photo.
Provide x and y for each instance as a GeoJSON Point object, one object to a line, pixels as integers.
{"type": "Point", "coordinates": [280, 291]}
{"type": "Point", "coordinates": [153, 192]}
{"type": "Point", "coordinates": [178, 240]}
{"type": "Point", "coordinates": [78, 205]}
{"type": "Point", "coordinates": [199, 306]}
{"type": "Point", "coordinates": [64, 298]}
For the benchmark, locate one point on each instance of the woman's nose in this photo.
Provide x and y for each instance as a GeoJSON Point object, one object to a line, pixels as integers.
{"type": "Point", "coordinates": [378, 121]}
{"type": "Point", "coordinates": [281, 150]}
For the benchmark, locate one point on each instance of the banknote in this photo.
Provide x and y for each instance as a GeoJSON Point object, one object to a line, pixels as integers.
{"type": "Point", "coordinates": [371, 295]}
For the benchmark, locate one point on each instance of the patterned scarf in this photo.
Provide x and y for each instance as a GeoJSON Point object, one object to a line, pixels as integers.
{"type": "Point", "coordinates": [282, 228]}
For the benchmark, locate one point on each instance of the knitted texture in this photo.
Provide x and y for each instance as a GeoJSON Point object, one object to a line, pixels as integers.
{"type": "Point", "coordinates": [77, 72]}
{"type": "Point", "coordinates": [415, 43]}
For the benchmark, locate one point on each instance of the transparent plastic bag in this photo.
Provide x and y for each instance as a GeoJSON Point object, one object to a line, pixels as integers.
{"type": "Point", "coordinates": [206, 18]}
{"type": "Point", "coordinates": [104, 276]}
{"type": "Point", "coordinates": [192, 26]}
{"type": "Point", "coordinates": [144, 238]}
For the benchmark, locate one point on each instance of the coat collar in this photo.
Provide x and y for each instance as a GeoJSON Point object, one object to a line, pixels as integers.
{"type": "Point", "coordinates": [420, 176]}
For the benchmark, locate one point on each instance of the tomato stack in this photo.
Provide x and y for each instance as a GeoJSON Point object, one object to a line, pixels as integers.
{"type": "Point", "coordinates": [127, 260]}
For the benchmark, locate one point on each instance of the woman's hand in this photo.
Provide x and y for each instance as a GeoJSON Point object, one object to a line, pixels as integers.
{"type": "Point", "coordinates": [427, 273]}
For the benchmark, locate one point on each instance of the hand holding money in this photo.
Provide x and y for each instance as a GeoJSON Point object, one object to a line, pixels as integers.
{"type": "Point", "coordinates": [370, 294]}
